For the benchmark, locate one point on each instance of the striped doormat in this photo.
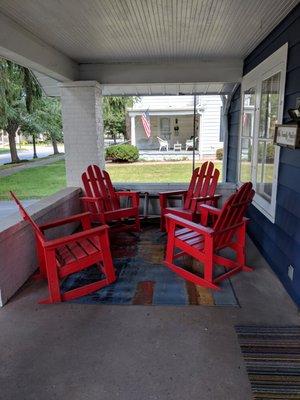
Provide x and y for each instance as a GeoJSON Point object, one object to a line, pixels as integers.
{"type": "Point", "coordinates": [272, 357]}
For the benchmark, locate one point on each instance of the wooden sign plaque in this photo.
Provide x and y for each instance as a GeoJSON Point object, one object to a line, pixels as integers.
{"type": "Point", "coordinates": [287, 136]}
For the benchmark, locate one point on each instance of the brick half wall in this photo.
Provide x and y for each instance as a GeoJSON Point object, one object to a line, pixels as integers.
{"type": "Point", "coordinates": [18, 259]}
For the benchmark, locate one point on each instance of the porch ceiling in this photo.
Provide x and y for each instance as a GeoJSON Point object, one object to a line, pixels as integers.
{"type": "Point", "coordinates": [140, 31]}
{"type": "Point", "coordinates": [168, 89]}
{"type": "Point", "coordinates": [135, 47]}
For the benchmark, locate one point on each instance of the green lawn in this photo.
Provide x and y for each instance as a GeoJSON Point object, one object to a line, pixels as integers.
{"type": "Point", "coordinates": [45, 180]}
{"type": "Point", "coordinates": [153, 172]}
{"type": "Point", "coordinates": [35, 182]}
{"type": "Point", "coordinates": [4, 150]}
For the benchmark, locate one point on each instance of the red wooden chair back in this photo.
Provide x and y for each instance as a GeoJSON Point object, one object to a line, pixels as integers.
{"type": "Point", "coordinates": [203, 183]}
{"type": "Point", "coordinates": [232, 215]}
{"type": "Point", "coordinates": [97, 183]}
{"type": "Point", "coordinates": [27, 217]}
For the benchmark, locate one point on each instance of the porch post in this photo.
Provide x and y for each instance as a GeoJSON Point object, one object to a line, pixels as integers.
{"type": "Point", "coordinates": [132, 130]}
{"type": "Point", "coordinates": [200, 149]}
{"type": "Point", "coordinates": [82, 127]}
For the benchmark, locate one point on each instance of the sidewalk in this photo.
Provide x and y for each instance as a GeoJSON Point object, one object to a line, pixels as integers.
{"type": "Point", "coordinates": [9, 207]}
{"type": "Point", "coordinates": [33, 164]}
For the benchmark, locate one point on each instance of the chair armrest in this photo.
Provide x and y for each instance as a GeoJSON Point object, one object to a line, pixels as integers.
{"type": "Point", "coordinates": [163, 197]}
{"type": "Point", "coordinates": [203, 230]}
{"type": "Point", "coordinates": [209, 209]}
{"type": "Point", "coordinates": [127, 193]}
{"type": "Point", "coordinates": [135, 198]}
{"type": "Point", "coordinates": [205, 198]}
{"type": "Point", "coordinates": [83, 217]}
{"type": "Point", "coordinates": [53, 244]}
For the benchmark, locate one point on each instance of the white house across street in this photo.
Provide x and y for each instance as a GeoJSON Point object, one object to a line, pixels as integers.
{"type": "Point", "coordinates": [172, 125]}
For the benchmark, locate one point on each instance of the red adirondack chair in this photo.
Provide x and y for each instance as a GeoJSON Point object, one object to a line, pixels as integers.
{"type": "Point", "coordinates": [59, 258]}
{"type": "Point", "coordinates": [103, 201]}
{"type": "Point", "coordinates": [204, 243]}
{"type": "Point", "coordinates": [201, 191]}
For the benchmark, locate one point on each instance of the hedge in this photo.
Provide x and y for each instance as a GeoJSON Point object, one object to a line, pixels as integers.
{"type": "Point", "coordinates": [122, 153]}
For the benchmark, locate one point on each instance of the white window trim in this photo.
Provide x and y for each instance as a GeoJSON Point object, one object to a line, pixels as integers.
{"type": "Point", "coordinates": [270, 66]}
{"type": "Point", "coordinates": [159, 124]}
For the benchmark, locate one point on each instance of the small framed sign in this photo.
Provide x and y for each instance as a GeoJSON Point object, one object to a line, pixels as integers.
{"type": "Point", "coordinates": [287, 136]}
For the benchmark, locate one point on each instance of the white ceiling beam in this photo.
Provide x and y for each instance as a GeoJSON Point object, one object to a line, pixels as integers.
{"type": "Point", "coordinates": [24, 48]}
{"type": "Point", "coordinates": [222, 70]}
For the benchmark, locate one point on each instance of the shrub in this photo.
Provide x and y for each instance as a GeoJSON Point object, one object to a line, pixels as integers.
{"type": "Point", "coordinates": [122, 153]}
{"type": "Point", "coordinates": [219, 154]}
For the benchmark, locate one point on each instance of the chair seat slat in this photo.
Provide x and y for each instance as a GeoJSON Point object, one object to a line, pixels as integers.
{"type": "Point", "coordinates": [90, 246]}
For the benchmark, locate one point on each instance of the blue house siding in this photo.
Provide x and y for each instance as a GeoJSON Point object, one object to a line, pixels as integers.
{"type": "Point", "coordinates": [279, 242]}
{"type": "Point", "coordinates": [233, 139]}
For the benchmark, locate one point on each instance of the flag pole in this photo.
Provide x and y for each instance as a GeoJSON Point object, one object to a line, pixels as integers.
{"type": "Point", "coordinates": [194, 132]}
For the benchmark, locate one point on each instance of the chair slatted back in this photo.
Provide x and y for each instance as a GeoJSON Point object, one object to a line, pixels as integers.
{"type": "Point", "coordinates": [203, 183]}
{"type": "Point", "coordinates": [232, 214]}
{"type": "Point", "coordinates": [27, 217]}
{"type": "Point", "coordinates": [97, 183]}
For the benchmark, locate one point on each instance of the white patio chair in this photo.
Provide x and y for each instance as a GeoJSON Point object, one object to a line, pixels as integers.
{"type": "Point", "coordinates": [190, 143]}
{"type": "Point", "coordinates": [163, 144]}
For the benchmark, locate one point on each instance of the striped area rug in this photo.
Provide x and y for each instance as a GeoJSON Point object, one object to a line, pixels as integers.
{"type": "Point", "coordinates": [272, 357]}
{"type": "Point", "coordinates": [142, 279]}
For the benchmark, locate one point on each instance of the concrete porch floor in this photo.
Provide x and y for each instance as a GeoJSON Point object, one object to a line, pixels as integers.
{"type": "Point", "coordinates": [75, 351]}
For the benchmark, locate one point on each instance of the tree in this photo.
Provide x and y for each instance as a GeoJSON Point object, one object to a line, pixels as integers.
{"type": "Point", "coordinates": [19, 93]}
{"type": "Point", "coordinates": [49, 117]}
{"type": "Point", "coordinates": [114, 114]}
{"type": "Point", "coordinates": [30, 125]}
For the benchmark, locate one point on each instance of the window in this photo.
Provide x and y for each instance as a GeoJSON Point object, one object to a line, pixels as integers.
{"type": "Point", "coordinates": [165, 127]}
{"type": "Point", "coordinates": [247, 135]}
{"type": "Point", "coordinates": [262, 108]}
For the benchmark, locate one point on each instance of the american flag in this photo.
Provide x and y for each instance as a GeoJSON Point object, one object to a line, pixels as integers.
{"type": "Point", "coordinates": [146, 123]}
{"type": "Point", "coordinates": [245, 119]}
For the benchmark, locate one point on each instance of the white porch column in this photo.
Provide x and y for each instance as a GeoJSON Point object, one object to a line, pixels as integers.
{"type": "Point", "coordinates": [132, 130]}
{"type": "Point", "coordinates": [200, 144]}
{"type": "Point", "coordinates": [82, 127]}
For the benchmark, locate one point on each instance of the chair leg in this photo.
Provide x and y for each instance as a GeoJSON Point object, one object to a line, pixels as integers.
{"type": "Point", "coordinates": [209, 263]}
{"type": "Point", "coordinates": [162, 222]}
{"type": "Point", "coordinates": [53, 280]}
{"type": "Point", "coordinates": [170, 244]}
{"type": "Point", "coordinates": [163, 204]}
{"type": "Point", "coordinates": [108, 267]}
{"type": "Point", "coordinates": [240, 248]}
{"type": "Point", "coordinates": [137, 224]}
{"type": "Point", "coordinates": [42, 273]}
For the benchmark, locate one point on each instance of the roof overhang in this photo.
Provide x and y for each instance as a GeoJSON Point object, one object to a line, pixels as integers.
{"type": "Point", "coordinates": [158, 112]}
{"type": "Point", "coordinates": [22, 47]}
{"type": "Point", "coordinates": [51, 88]}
